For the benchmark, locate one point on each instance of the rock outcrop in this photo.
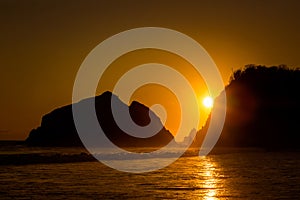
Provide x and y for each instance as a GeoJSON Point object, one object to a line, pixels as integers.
{"type": "Point", "coordinates": [263, 109]}
{"type": "Point", "coordinates": [58, 129]}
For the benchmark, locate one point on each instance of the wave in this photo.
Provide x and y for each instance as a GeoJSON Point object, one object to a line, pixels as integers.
{"type": "Point", "coordinates": [40, 156]}
{"type": "Point", "coordinates": [24, 155]}
{"type": "Point", "coordinates": [37, 158]}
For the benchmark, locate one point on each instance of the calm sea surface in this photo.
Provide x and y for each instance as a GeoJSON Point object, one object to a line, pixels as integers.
{"type": "Point", "coordinates": [246, 175]}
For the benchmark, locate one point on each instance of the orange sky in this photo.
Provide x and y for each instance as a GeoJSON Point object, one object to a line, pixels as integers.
{"type": "Point", "coordinates": [155, 94]}
{"type": "Point", "coordinates": [43, 43]}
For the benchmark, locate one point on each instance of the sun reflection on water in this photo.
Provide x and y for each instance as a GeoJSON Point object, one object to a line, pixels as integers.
{"type": "Point", "coordinates": [208, 178]}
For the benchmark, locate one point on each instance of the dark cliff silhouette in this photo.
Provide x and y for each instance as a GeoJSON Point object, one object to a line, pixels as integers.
{"type": "Point", "coordinates": [58, 129]}
{"type": "Point", "coordinates": [263, 109]}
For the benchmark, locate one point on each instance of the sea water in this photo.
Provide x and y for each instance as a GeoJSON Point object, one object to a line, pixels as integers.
{"type": "Point", "coordinates": [231, 175]}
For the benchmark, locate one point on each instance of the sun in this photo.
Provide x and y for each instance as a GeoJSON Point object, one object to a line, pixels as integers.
{"type": "Point", "coordinates": [208, 102]}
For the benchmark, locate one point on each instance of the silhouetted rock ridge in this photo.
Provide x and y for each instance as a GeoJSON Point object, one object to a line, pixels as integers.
{"type": "Point", "coordinates": [263, 109]}
{"type": "Point", "coordinates": [57, 127]}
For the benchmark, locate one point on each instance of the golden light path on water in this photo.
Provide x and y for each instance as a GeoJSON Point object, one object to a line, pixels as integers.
{"type": "Point", "coordinates": [208, 178]}
{"type": "Point", "coordinates": [210, 181]}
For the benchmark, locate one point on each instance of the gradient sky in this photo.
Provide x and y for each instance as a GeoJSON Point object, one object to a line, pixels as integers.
{"type": "Point", "coordinates": [43, 43]}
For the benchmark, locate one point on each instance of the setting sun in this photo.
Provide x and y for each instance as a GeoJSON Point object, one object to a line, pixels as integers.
{"type": "Point", "coordinates": [208, 102]}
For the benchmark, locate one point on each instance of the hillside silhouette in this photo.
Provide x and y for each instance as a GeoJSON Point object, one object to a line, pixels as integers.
{"type": "Point", "coordinates": [57, 127]}
{"type": "Point", "coordinates": [263, 109]}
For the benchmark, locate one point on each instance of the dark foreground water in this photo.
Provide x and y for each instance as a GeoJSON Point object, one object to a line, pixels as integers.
{"type": "Point", "coordinates": [246, 175]}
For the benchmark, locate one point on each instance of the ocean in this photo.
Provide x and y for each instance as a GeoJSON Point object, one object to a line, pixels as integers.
{"type": "Point", "coordinates": [65, 173]}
